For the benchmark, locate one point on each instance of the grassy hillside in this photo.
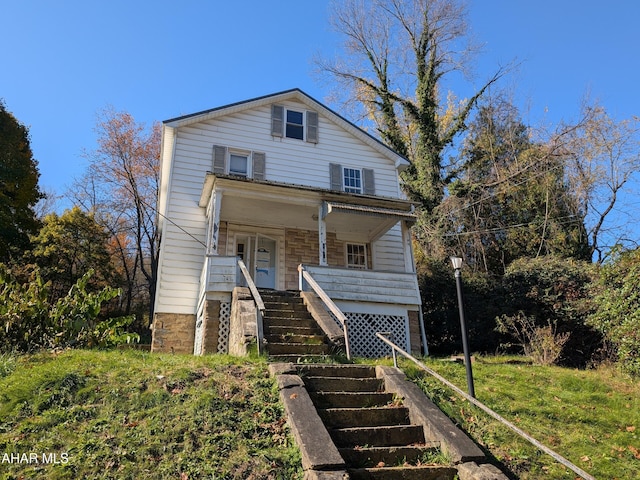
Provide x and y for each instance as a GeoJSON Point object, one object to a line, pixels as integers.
{"type": "Point", "coordinates": [590, 417]}
{"type": "Point", "coordinates": [128, 414]}
{"type": "Point", "coordinates": [133, 415]}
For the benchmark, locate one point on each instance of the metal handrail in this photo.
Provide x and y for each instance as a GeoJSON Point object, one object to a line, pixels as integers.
{"type": "Point", "coordinates": [484, 408]}
{"type": "Point", "coordinates": [258, 301]}
{"type": "Point", "coordinates": [306, 276]}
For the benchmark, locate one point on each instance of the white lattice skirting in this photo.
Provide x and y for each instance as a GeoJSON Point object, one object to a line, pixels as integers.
{"type": "Point", "coordinates": [224, 327]}
{"type": "Point", "coordinates": [362, 328]}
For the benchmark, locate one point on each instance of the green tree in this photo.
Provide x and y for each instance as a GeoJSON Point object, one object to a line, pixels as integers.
{"type": "Point", "coordinates": [68, 246]}
{"type": "Point", "coordinates": [550, 293]}
{"type": "Point", "coordinates": [510, 201]}
{"type": "Point", "coordinates": [19, 191]}
{"type": "Point", "coordinates": [617, 308]}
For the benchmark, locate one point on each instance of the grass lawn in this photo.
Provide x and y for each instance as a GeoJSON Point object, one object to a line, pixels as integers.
{"type": "Point", "coordinates": [590, 417]}
{"type": "Point", "coordinates": [136, 415]}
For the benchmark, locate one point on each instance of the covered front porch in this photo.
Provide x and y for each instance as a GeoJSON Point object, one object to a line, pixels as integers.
{"type": "Point", "coordinates": [358, 248]}
{"type": "Point", "coordinates": [274, 227]}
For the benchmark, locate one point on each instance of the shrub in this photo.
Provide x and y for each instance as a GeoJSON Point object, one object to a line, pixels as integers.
{"type": "Point", "coordinates": [617, 308]}
{"type": "Point", "coordinates": [552, 294]}
{"type": "Point", "coordinates": [482, 301]}
{"type": "Point", "coordinates": [541, 343]}
{"type": "Point", "coordinates": [30, 320]}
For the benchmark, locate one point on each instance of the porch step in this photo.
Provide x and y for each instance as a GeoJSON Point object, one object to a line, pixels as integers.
{"type": "Point", "coordinates": [291, 333]}
{"type": "Point", "coordinates": [430, 472]}
{"type": "Point", "coordinates": [271, 319]}
{"type": "Point", "coordinates": [297, 348]}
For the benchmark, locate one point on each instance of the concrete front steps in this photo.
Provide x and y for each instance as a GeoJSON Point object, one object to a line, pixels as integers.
{"type": "Point", "coordinates": [370, 427]}
{"type": "Point", "coordinates": [365, 422]}
{"type": "Point", "coordinates": [290, 332]}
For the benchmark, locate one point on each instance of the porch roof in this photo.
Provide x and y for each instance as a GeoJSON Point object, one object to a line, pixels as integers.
{"type": "Point", "coordinates": [297, 206]}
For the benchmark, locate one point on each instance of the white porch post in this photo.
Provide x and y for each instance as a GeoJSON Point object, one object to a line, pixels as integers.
{"type": "Point", "coordinates": [409, 264]}
{"type": "Point", "coordinates": [213, 212]}
{"type": "Point", "coordinates": [322, 234]}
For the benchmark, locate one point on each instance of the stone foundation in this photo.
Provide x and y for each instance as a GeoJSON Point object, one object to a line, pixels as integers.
{"type": "Point", "coordinates": [211, 326]}
{"type": "Point", "coordinates": [173, 333]}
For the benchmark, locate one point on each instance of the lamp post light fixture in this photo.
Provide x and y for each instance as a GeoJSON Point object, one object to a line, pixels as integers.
{"type": "Point", "coordinates": [457, 266]}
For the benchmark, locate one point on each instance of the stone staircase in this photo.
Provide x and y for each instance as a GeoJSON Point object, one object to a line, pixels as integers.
{"type": "Point", "coordinates": [356, 421]}
{"type": "Point", "coordinates": [290, 332]}
{"type": "Point", "coordinates": [371, 427]}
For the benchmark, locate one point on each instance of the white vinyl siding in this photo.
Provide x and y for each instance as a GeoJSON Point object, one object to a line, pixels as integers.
{"type": "Point", "coordinates": [287, 161]}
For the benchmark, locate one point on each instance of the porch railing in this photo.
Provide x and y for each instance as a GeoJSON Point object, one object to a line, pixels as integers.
{"type": "Point", "coordinates": [258, 301]}
{"type": "Point", "coordinates": [333, 308]}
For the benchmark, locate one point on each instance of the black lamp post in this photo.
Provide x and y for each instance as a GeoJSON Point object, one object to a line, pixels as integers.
{"type": "Point", "coordinates": [457, 265]}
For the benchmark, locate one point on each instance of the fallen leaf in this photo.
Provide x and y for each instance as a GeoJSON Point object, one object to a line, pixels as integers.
{"type": "Point", "coordinates": [380, 465]}
{"type": "Point", "coordinates": [635, 451]}
{"type": "Point", "coordinates": [631, 428]}
{"type": "Point", "coordinates": [293, 396]}
{"type": "Point", "coordinates": [584, 458]}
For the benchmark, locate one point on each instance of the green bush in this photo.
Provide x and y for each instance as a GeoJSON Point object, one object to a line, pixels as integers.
{"type": "Point", "coordinates": [482, 300]}
{"type": "Point", "coordinates": [552, 293]}
{"type": "Point", "coordinates": [30, 320]}
{"type": "Point", "coordinates": [617, 308]}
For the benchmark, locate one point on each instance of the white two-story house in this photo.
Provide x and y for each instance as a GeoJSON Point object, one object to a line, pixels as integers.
{"type": "Point", "coordinates": [280, 181]}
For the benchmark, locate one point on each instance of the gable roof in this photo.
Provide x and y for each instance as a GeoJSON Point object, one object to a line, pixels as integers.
{"type": "Point", "coordinates": [400, 161]}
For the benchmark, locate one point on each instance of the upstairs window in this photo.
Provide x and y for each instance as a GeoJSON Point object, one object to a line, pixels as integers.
{"type": "Point", "coordinates": [352, 180]}
{"type": "Point", "coordinates": [238, 165]}
{"type": "Point", "coordinates": [295, 125]}
{"type": "Point", "coordinates": [242, 163]}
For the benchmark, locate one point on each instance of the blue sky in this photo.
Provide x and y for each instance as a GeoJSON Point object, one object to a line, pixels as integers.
{"type": "Point", "coordinates": [160, 59]}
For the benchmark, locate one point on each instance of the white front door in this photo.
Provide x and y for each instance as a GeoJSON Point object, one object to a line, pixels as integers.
{"type": "Point", "coordinates": [265, 262]}
{"type": "Point", "coordinates": [259, 255]}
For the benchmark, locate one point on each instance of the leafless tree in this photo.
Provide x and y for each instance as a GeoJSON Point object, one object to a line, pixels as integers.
{"type": "Point", "coordinates": [396, 55]}
{"type": "Point", "coordinates": [121, 187]}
